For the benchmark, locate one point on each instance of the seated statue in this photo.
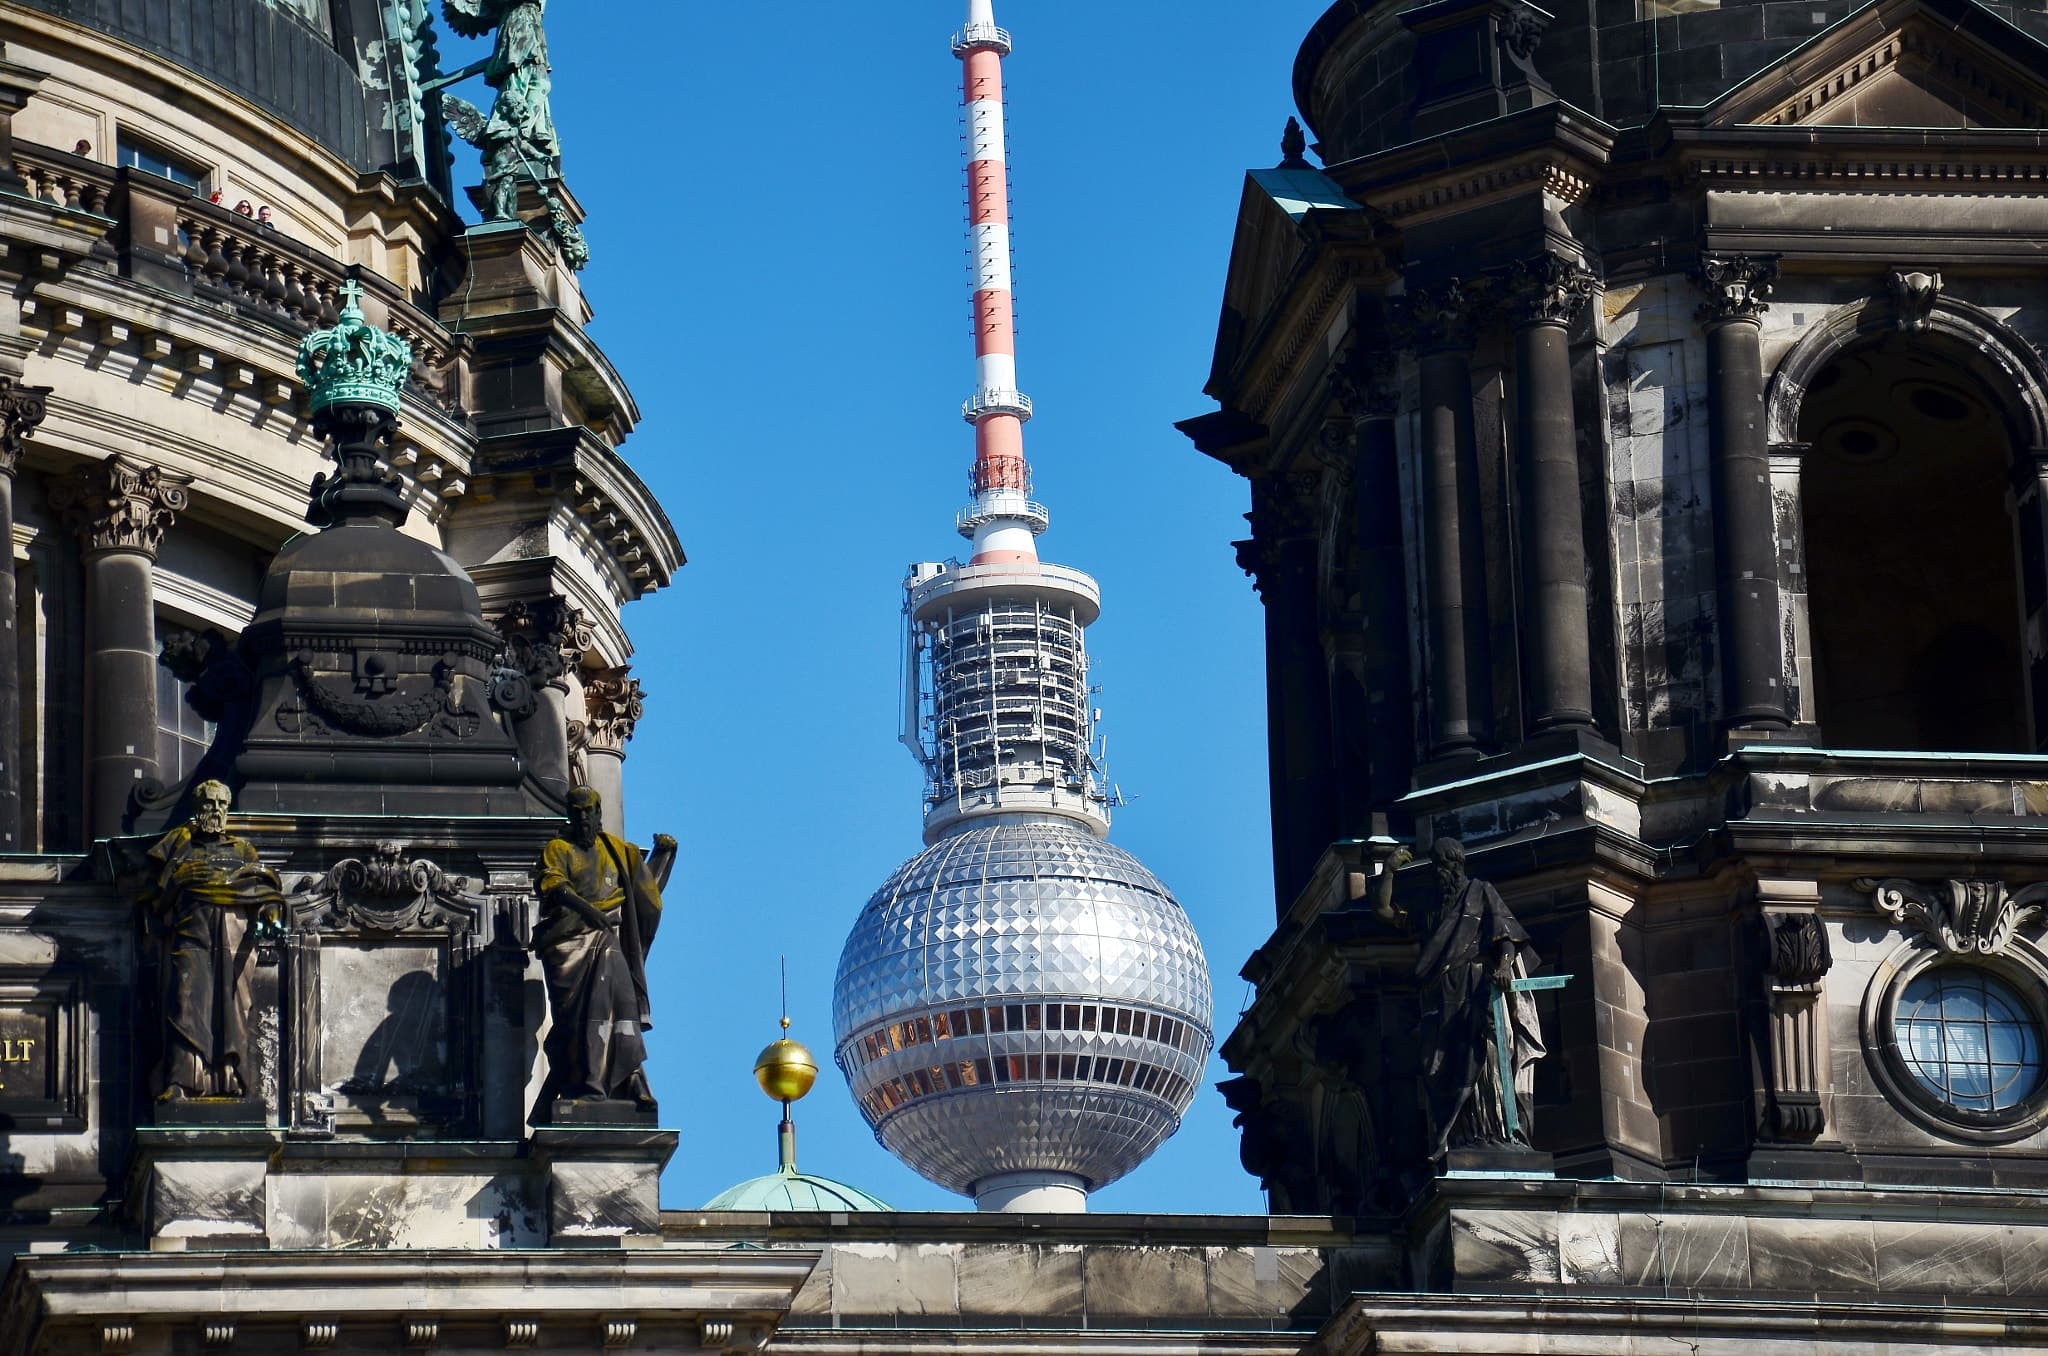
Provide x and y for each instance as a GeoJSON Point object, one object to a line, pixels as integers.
{"type": "Point", "coordinates": [210, 902]}
{"type": "Point", "coordinates": [600, 904]}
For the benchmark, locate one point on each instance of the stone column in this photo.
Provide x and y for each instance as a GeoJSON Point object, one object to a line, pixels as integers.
{"type": "Point", "coordinates": [1745, 516]}
{"type": "Point", "coordinates": [1459, 660]}
{"type": "Point", "coordinates": [1545, 295]}
{"type": "Point", "coordinates": [612, 706]}
{"type": "Point", "coordinates": [21, 409]}
{"type": "Point", "coordinates": [1365, 386]}
{"type": "Point", "coordinates": [542, 640]}
{"type": "Point", "coordinates": [120, 510]}
{"type": "Point", "coordinates": [1281, 558]}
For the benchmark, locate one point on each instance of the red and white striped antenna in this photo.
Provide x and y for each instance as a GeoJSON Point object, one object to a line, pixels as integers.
{"type": "Point", "coordinates": [1002, 520]}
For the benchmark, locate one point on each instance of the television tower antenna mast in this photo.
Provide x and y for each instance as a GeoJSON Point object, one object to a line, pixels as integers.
{"type": "Point", "coordinates": [1074, 983]}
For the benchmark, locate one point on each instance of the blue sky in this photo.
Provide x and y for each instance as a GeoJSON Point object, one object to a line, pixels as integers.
{"type": "Point", "coordinates": [775, 199]}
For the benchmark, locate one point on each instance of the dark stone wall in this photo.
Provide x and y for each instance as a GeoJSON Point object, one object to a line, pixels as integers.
{"type": "Point", "coordinates": [1355, 82]}
{"type": "Point", "coordinates": [277, 62]}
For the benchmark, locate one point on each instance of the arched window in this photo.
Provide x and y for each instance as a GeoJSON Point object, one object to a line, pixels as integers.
{"type": "Point", "coordinates": [1912, 554]}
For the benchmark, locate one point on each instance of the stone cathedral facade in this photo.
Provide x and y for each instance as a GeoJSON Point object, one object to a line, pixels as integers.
{"type": "Point", "coordinates": [1643, 426]}
{"type": "Point", "coordinates": [1642, 409]}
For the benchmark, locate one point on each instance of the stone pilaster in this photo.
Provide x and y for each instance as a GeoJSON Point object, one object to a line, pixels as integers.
{"type": "Point", "coordinates": [1545, 295]}
{"type": "Point", "coordinates": [21, 409]}
{"type": "Point", "coordinates": [1454, 559]}
{"type": "Point", "coordinates": [120, 510]}
{"type": "Point", "coordinates": [1745, 533]}
{"type": "Point", "coordinates": [1281, 558]}
{"type": "Point", "coordinates": [544, 639]}
{"type": "Point", "coordinates": [1364, 383]}
{"type": "Point", "coordinates": [612, 706]}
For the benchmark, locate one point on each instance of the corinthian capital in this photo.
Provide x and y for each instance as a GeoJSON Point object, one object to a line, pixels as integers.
{"type": "Point", "coordinates": [1738, 286]}
{"type": "Point", "coordinates": [1547, 290]}
{"type": "Point", "coordinates": [21, 409]}
{"type": "Point", "coordinates": [1362, 380]}
{"type": "Point", "coordinates": [612, 705]}
{"type": "Point", "coordinates": [119, 505]}
{"type": "Point", "coordinates": [543, 639]}
{"type": "Point", "coordinates": [1441, 319]}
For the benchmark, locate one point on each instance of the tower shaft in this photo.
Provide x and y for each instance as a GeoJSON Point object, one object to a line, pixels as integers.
{"type": "Point", "coordinates": [1001, 520]}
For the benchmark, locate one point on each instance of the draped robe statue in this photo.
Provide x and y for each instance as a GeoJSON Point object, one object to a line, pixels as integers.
{"type": "Point", "coordinates": [600, 905]}
{"type": "Point", "coordinates": [210, 901]}
{"type": "Point", "coordinates": [1472, 947]}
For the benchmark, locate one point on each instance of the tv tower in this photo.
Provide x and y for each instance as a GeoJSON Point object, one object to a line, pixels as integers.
{"type": "Point", "coordinates": [1022, 1010]}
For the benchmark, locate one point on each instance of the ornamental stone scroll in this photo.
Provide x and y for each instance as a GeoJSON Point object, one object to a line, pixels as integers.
{"type": "Point", "coordinates": [1962, 917]}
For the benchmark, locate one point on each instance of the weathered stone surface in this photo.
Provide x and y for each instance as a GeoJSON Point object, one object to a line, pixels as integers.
{"type": "Point", "coordinates": [595, 1200]}
{"type": "Point", "coordinates": [1589, 1249]}
{"type": "Point", "coordinates": [1491, 1247]}
{"type": "Point", "coordinates": [207, 1202]}
{"type": "Point", "coordinates": [1265, 1283]}
{"type": "Point", "coordinates": [1945, 1259]}
{"type": "Point", "coordinates": [1146, 1281]}
{"type": "Point", "coordinates": [2024, 1260]}
{"type": "Point", "coordinates": [408, 1210]}
{"type": "Point", "coordinates": [383, 1037]}
{"type": "Point", "coordinates": [906, 1279]}
{"type": "Point", "coordinates": [1028, 1281]}
{"type": "Point", "coordinates": [1701, 1250]}
{"type": "Point", "coordinates": [1812, 1254]}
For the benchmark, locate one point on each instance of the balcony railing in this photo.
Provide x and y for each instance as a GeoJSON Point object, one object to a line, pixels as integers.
{"type": "Point", "coordinates": [982, 35]}
{"type": "Point", "coordinates": [221, 255]}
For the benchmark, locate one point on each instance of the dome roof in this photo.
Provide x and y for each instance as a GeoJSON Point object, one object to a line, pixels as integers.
{"type": "Point", "coordinates": [790, 1190]}
{"type": "Point", "coordinates": [1022, 996]}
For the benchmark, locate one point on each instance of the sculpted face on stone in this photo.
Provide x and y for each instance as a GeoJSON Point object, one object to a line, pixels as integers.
{"type": "Point", "coordinates": [586, 815]}
{"type": "Point", "coordinates": [210, 802]}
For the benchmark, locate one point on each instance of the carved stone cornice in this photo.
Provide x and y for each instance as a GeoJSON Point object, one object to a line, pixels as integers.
{"type": "Point", "coordinates": [1410, 204]}
{"type": "Point", "coordinates": [1546, 290]}
{"type": "Point", "coordinates": [119, 505]}
{"type": "Point", "coordinates": [543, 639]}
{"type": "Point", "coordinates": [1441, 319]}
{"type": "Point", "coordinates": [1738, 287]}
{"type": "Point", "coordinates": [612, 706]}
{"type": "Point", "coordinates": [1961, 917]}
{"type": "Point", "coordinates": [21, 409]}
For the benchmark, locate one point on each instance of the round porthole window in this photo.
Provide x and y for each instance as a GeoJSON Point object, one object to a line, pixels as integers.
{"type": "Point", "coordinates": [1969, 1039]}
{"type": "Point", "coordinates": [1961, 1045]}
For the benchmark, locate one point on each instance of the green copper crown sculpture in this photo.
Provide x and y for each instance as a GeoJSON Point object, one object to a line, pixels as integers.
{"type": "Point", "coordinates": [355, 363]}
{"type": "Point", "coordinates": [353, 374]}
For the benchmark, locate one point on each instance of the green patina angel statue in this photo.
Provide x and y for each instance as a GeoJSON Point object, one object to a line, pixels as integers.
{"type": "Point", "coordinates": [517, 139]}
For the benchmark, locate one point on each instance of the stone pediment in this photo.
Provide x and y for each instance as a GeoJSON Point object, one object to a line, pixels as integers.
{"type": "Point", "coordinates": [1275, 226]}
{"type": "Point", "coordinates": [1900, 63]}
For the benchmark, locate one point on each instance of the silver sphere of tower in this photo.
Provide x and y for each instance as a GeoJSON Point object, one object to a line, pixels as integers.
{"type": "Point", "coordinates": [1023, 1012]}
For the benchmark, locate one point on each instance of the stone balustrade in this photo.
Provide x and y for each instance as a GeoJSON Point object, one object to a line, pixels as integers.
{"type": "Point", "coordinates": [225, 255]}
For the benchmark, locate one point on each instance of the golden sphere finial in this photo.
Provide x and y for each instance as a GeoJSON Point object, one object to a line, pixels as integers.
{"type": "Point", "coordinates": [785, 1069]}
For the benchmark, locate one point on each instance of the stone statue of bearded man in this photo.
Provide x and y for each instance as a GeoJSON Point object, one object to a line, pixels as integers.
{"type": "Point", "coordinates": [600, 904]}
{"type": "Point", "coordinates": [210, 901]}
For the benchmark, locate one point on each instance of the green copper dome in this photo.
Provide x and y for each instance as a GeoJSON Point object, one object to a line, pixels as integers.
{"type": "Point", "coordinates": [793, 1190]}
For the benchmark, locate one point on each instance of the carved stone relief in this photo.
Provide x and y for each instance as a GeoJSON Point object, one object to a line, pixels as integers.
{"type": "Point", "coordinates": [1961, 917]}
